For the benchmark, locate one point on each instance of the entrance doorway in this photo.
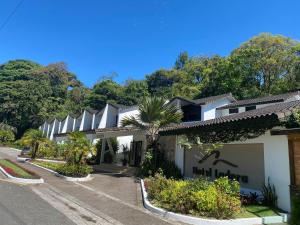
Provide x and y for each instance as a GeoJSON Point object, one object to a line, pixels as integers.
{"type": "Point", "coordinates": [135, 155]}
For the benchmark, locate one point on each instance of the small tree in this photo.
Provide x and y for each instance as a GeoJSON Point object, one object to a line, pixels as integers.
{"type": "Point", "coordinates": [6, 136]}
{"type": "Point", "coordinates": [77, 148]}
{"type": "Point", "coordinates": [34, 139]}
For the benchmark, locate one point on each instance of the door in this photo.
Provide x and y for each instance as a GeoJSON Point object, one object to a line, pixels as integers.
{"type": "Point", "coordinates": [135, 153]}
{"type": "Point", "coordinates": [294, 152]}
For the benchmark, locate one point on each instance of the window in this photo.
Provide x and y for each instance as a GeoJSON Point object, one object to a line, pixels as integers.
{"type": "Point", "coordinates": [248, 108]}
{"type": "Point", "coordinates": [233, 110]}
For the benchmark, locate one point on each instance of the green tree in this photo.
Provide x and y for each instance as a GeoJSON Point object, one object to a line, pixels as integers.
{"type": "Point", "coordinates": [102, 92]}
{"type": "Point", "coordinates": [133, 92]}
{"type": "Point", "coordinates": [6, 136]}
{"type": "Point", "coordinates": [266, 63]}
{"type": "Point", "coordinates": [31, 93]}
{"type": "Point", "coordinates": [34, 139]}
{"type": "Point", "coordinates": [77, 148]}
{"type": "Point", "coordinates": [181, 60]}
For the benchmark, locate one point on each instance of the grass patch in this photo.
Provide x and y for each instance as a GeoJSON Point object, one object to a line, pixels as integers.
{"type": "Point", "coordinates": [257, 211]}
{"type": "Point", "coordinates": [48, 165]}
{"type": "Point", "coordinates": [16, 170]}
{"type": "Point", "coordinates": [66, 169]}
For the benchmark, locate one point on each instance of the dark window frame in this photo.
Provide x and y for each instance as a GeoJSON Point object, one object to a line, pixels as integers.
{"type": "Point", "coordinates": [233, 110]}
{"type": "Point", "coordinates": [250, 107]}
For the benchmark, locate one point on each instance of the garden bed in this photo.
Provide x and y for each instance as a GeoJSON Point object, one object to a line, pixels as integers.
{"type": "Point", "coordinates": [203, 202]}
{"type": "Point", "coordinates": [18, 173]}
{"type": "Point", "coordinates": [68, 172]}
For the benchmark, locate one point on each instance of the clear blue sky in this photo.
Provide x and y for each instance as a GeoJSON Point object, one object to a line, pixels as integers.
{"type": "Point", "coordinates": [135, 37]}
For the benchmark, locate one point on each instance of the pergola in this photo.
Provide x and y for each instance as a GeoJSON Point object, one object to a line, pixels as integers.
{"type": "Point", "coordinates": [105, 134]}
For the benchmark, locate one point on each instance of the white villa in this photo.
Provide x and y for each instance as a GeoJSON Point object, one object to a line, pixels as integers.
{"type": "Point", "coordinates": [272, 155]}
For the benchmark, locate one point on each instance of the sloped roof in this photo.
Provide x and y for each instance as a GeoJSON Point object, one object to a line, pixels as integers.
{"type": "Point", "coordinates": [261, 100]}
{"type": "Point", "coordinates": [206, 100]}
{"type": "Point", "coordinates": [91, 111]}
{"type": "Point", "coordinates": [280, 110]}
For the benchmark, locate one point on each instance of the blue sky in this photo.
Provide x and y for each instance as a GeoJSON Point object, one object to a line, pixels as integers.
{"type": "Point", "coordinates": [135, 37]}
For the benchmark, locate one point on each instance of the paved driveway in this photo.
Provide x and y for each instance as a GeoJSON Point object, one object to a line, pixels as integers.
{"type": "Point", "coordinates": [107, 199]}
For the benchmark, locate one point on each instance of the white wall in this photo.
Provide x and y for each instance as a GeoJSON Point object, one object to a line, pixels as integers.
{"type": "Point", "coordinates": [126, 140]}
{"type": "Point", "coordinates": [276, 164]}
{"type": "Point", "coordinates": [179, 156]}
{"type": "Point", "coordinates": [54, 129]}
{"type": "Point", "coordinates": [208, 111]}
{"type": "Point", "coordinates": [96, 121]}
{"type": "Point", "coordinates": [276, 156]}
{"type": "Point", "coordinates": [77, 123]}
{"type": "Point", "coordinates": [225, 112]}
{"type": "Point", "coordinates": [86, 122]}
{"type": "Point", "coordinates": [109, 117]}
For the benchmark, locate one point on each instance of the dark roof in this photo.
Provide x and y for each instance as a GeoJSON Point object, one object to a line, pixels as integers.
{"type": "Point", "coordinates": [280, 110]}
{"type": "Point", "coordinates": [182, 99]}
{"type": "Point", "coordinates": [92, 111]}
{"type": "Point", "coordinates": [202, 101]}
{"type": "Point", "coordinates": [261, 100]}
{"type": "Point", "coordinates": [115, 129]}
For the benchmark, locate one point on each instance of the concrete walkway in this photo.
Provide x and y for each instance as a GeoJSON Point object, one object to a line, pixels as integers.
{"type": "Point", "coordinates": [107, 199]}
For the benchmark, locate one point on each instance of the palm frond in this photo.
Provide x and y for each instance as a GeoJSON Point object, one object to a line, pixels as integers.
{"type": "Point", "coordinates": [132, 121]}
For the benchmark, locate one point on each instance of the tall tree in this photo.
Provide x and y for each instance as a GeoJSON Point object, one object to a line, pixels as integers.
{"type": "Point", "coordinates": [266, 62]}
{"type": "Point", "coordinates": [102, 92]}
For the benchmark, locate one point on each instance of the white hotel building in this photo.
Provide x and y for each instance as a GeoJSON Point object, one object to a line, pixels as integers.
{"type": "Point", "coordinates": [273, 155]}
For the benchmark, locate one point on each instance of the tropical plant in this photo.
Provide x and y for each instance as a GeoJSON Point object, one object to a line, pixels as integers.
{"type": "Point", "coordinates": [36, 140]}
{"type": "Point", "coordinates": [187, 142]}
{"type": "Point", "coordinates": [6, 136]}
{"type": "Point", "coordinates": [269, 195]}
{"type": "Point", "coordinates": [77, 148]}
{"type": "Point", "coordinates": [219, 199]}
{"type": "Point", "coordinates": [154, 113]}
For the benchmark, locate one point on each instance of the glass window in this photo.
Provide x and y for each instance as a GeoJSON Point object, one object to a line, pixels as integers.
{"type": "Point", "coordinates": [252, 107]}
{"type": "Point", "coordinates": [233, 110]}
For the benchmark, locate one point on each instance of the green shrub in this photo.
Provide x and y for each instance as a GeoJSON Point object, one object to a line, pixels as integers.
{"type": "Point", "coordinates": [219, 199]}
{"type": "Point", "coordinates": [6, 136]}
{"type": "Point", "coordinates": [295, 213]}
{"type": "Point", "coordinates": [149, 167]}
{"type": "Point", "coordinates": [72, 170]}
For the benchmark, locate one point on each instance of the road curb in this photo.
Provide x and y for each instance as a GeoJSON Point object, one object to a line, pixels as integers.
{"type": "Point", "coordinates": [22, 180]}
{"type": "Point", "coordinates": [73, 179]}
{"type": "Point", "coordinates": [196, 220]}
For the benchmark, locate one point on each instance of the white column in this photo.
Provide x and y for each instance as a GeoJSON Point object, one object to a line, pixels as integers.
{"type": "Point", "coordinates": [179, 156]}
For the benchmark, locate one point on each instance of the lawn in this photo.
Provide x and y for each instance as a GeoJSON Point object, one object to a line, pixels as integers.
{"type": "Point", "coordinates": [16, 170]}
{"type": "Point", "coordinates": [48, 165]}
{"type": "Point", "coordinates": [257, 211]}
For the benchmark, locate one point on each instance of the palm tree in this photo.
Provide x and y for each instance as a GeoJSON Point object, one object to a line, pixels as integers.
{"type": "Point", "coordinates": [154, 113]}
{"type": "Point", "coordinates": [77, 148]}
{"type": "Point", "coordinates": [34, 139]}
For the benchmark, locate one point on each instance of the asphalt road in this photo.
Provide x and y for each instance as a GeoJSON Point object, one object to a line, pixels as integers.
{"type": "Point", "coordinates": [19, 205]}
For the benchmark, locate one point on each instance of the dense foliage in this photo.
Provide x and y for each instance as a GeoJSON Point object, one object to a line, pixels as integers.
{"type": "Point", "coordinates": [6, 136]}
{"type": "Point", "coordinates": [35, 140]}
{"type": "Point", "coordinates": [73, 170]}
{"type": "Point", "coordinates": [218, 199]}
{"type": "Point", "coordinates": [77, 148]}
{"type": "Point", "coordinates": [266, 64]}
